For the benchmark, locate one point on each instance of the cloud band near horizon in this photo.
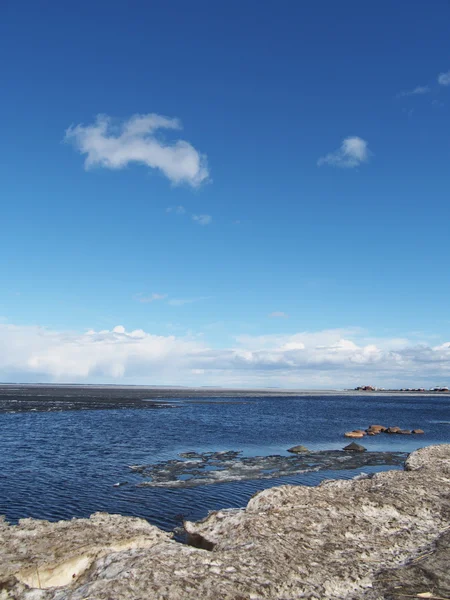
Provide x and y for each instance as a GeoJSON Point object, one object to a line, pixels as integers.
{"type": "Point", "coordinates": [327, 359]}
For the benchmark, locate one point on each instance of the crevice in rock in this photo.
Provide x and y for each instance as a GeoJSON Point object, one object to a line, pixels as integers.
{"type": "Point", "coordinates": [198, 541]}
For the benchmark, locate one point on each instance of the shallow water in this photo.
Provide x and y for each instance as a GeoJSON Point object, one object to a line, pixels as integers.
{"type": "Point", "coordinates": [65, 463]}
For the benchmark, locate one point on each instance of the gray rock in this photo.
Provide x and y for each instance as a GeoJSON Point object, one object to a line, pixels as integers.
{"type": "Point", "coordinates": [428, 572]}
{"type": "Point", "coordinates": [298, 449]}
{"type": "Point", "coordinates": [354, 447]}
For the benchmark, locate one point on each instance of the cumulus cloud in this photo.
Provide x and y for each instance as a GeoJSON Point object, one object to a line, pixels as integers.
{"type": "Point", "coordinates": [420, 90]}
{"type": "Point", "coordinates": [352, 152]}
{"type": "Point", "coordinates": [135, 140]}
{"type": "Point", "coordinates": [331, 358]}
{"type": "Point", "coordinates": [278, 314]}
{"type": "Point", "coordinates": [202, 219]}
{"type": "Point", "coordinates": [150, 297]}
{"type": "Point", "coordinates": [444, 78]}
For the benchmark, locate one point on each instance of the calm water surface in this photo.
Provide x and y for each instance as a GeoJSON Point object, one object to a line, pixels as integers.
{"type": "Point", "coordinates": [58, 465]}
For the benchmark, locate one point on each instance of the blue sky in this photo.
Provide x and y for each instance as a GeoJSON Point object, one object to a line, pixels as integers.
{"type": "Point", "coordinates": [307, 146]}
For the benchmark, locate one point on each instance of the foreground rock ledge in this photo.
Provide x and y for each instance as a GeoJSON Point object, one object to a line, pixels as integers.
{"type": "Point", "coordinates": [331, 541]}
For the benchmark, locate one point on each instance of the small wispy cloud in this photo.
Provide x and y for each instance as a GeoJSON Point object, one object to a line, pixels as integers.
{"type": "Point", "coordinates": [278, 314]}
{"type": "Point", "coordinates": [202, 219]}
{"type": "Point", "coordinates": [420, 90]}
{"type": "Point", "coordinates": [352, 152]}
{"type": "Point", "coordinates": [114, 146]}
{"type": "Point", "coordinates": [182, 301]}
{"type": "Point", "coordinates": [444, 78]}
{"type": "Point", "coordinates": [178, 210]}
{"type": "Point", "coordinates": [145, 299]}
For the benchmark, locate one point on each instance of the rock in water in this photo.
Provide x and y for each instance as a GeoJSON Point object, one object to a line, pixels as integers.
{"type": "Point", "coordinates": [354, 447]}
{"type": "Point", "coordinates": [392, 429]}
{"type": "Point", "coordinates": [354, 434]}
{"type": "Point", "coordinates": [418, 431]}
{"type": "Point", "coordinates": [376, 428]}
{"type": "Point", "coordinates": [298, 449]}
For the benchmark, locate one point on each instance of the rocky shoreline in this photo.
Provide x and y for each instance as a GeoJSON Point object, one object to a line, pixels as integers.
{"type": "Point", "coordinates": [384, 536]}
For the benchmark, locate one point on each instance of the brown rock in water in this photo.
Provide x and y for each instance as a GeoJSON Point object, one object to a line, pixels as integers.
{"type": "Point", "coordinates": [392, 429]}
{"type": "Point", "coordinates": [417, 431]}
{"type": "Point", "coordinates": [376, 428]}
{"type": "Point", "coordinates": [360, 431]}
{"type": "Point", "coordinates": [353, 447]}
{"type": "Point", "coordinates": [353, 434]}
{"type": "Point", "coordinates": [290, 542]}
{"type": "Point", "coordinates": [372, 433]}
{"type": "Point", "coordinates": [404, 431]}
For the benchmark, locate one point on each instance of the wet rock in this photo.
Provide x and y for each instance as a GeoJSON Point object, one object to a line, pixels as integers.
{"type": "Point", "coordinates": [418, 431]}
{"type": "Point", "coordinates": [392, 429]}
{"type": "Point", "coordinates": [209, 468]}
{"type": "Point", "coordinates": [354, 434]}
{"type": "Point", "coordinates": [353, 447]}
{"type": "Point", "coordinates": [290, 542]}
{"type": "Point", "coordinates": [377, 428]}
{"type": "Point", "coordinates": [404, 432]}
{"type": "Point", "coordinates": [298, 449]}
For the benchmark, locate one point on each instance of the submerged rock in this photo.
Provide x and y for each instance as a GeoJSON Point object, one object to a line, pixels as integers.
{"type": "Point", "coordinates": [328, 542]}
{"type": "Point", "coordinates": [219, 467]}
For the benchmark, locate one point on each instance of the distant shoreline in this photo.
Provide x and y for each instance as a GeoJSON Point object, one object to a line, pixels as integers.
{"type": "Point", "coordinates": [150, 392]}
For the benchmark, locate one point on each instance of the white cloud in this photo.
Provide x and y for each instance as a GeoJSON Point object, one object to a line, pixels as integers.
{"type": "Point", "coordinates": [278, 314]}
{"type": "Point", "coordinates": [202, 219]}
{"type": "Point", "coordinates": [353, 151]}
{"type": "Point", "coordinates": [444, 78]}
{"type": "Point", "coordinates": [178, 210]}
{"type": "Point", "coordinates": [150, 298]}
{"type": "Point", "coordinates": [112, 146]}
{"type": "Point", "coordinates": [331, 358]}
{"type": "Point", "coordinates": [420, 90]}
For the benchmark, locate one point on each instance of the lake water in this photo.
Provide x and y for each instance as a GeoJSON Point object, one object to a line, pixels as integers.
{"type": "Point", "coordinates": [65, 463]}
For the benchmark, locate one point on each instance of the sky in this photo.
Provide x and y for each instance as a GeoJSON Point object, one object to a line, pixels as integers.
{"type": "Point", "coordinates": [235, 194]}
